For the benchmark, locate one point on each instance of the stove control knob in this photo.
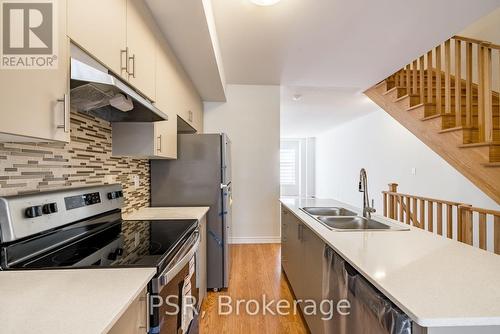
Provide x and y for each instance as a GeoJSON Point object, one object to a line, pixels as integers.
{"type": "Point", "coordinates": [33, 211]}
{"type": "Point", "coordinates": [49, 208]}
{"type": "Point", "coordinates": [119, 251]}
{"type": "Point", "coordinates": [119, 193]}
{"type": "Point", "coordinates": [112, 195]}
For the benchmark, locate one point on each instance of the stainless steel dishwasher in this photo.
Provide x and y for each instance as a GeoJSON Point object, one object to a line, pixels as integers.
{"type": "Point", "coordinates": [371, 312]}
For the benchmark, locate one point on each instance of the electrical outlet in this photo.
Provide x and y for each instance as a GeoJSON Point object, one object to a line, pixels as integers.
{"type": "Point", "coordinates": [413, 171]}
{"type": "Point", "coordinates": [137, 239]}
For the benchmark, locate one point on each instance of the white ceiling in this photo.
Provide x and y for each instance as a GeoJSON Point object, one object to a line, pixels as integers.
{"type": "Point", "coordinates": [190, 31]}
{"type": "Point", "coordinates": [311, 46]}
{"type": "Point", "coordinates": [320, 109]}
{"type": "Point", "coordinates": [333, 43]}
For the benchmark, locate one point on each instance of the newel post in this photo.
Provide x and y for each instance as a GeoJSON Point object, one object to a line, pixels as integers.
{"type": "Point", "coordinates": [393, 188]}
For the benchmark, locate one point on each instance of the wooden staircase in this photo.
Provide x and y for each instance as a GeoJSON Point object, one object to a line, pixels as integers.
{"type": "Point", "coordinates": [447, 99]}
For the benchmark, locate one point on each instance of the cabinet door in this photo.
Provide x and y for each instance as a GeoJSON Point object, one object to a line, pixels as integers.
{"type": "Point", "coordinates": [285, 246]}
{"type": "Point", "coordinates": [192, 111]}
{"type": "Point", "coordinates": [197, 110]}
{"type": "Point", "coordinates": [99, 27]}
{"type": "Point", "coordinates": [32, 103]}
{"type": "Point", "coordinates": [169, 80]}
{"type": "Point", "coordinates": [166, 138]}
{"type": "Point", "coordinates": [294, 274]}
{"type": "Point", "coordinates": [135, 318]}
{"type": "Point", "coordinates": [312, 275]}
{"type": "Point", "coordinates": [141, 43]}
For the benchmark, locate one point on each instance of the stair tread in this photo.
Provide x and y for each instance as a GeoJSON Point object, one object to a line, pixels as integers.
{"type": "Point", "coordinates": [405, 96]}
{"type": "Point", "coordinates": [391, 90]}
{"type": "Point", "coordinates": [430, 117]}
{"type": "Point", "coordinates": [456, 128]}
{"type": "Point", "coordinates": [481, 144]}
{"type": "Point", "coordinates": [418, 106]}
{"type": "Point", "coordinates": [491, 164]}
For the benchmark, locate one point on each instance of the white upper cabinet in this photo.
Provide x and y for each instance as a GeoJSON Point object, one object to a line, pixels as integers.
{"type": "Point", "coordinates": [175, 92]}
{"type": "Point", "coordinates": [99, 27]}
{"type": "Point", "coordinates": [119, 34]}
{"type": "Point", "coordinates": [156, 140]}
{"type": "Point", "coordinates": [34, 104]}
{"type": "Point", "coordinates": [141, 43]}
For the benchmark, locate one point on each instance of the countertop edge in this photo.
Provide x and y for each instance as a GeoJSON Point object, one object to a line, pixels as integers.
{"type": "Point", "coordinates": [125, 307]}
{"type": "Point", "coordinates": [421, 321]}
{"type": "Point", "coordinates": [162, 214]}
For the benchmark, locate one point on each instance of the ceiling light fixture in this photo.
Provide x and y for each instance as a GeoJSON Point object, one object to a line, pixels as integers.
{"type": "Point", "coordinates": [296, 97]}
{"type": "Point", "coordinates": [265, 2]}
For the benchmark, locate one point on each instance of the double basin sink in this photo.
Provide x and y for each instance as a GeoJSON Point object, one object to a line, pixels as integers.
{"type": "Point", "coordinates": [341, 219]}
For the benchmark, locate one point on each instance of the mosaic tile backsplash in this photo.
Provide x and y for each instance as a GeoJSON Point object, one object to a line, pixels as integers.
{"type": "Point", "coordinates": [86, 160]}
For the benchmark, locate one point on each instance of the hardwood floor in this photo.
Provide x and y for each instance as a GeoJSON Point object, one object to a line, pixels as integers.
{"type": "Point", "coordinates": [255, 271]}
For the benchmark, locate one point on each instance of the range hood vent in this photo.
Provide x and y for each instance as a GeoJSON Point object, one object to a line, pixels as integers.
{"type": "Point", "coordinates": [97, 92]}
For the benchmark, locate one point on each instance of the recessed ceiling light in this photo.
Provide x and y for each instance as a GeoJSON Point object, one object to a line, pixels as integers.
{"type": "Point", "coordinates": [265, 2]}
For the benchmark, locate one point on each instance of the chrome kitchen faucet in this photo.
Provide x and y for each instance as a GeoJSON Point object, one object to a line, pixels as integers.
{"type": "Point", "coordinates": [363, 187]}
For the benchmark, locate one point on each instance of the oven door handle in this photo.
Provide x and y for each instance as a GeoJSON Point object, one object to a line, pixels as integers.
{"type": "Point", "coordinates": [188, 252]}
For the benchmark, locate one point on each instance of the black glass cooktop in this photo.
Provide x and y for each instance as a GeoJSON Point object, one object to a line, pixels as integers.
{"type": "Point", "coordinates": [104, 241]}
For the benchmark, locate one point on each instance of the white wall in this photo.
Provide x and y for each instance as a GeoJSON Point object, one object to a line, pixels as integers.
{"type": "Point", "coordinates": [388, 152]}
{"type": "Point", "coordinates": [251, 118]}
{"type": "Point", "coordinates": [486, 28]}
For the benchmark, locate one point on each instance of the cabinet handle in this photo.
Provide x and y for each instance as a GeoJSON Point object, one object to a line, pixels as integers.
{"type": "Point", "coordinates": [159, 143]}
{"type": "Point", "coordinates": [133, 65]}
{"type": "Point", "coordinates": [190, 117]}
{"type": "Point", "coordinates": [147, 304]}
{"type": "Point", "coordinates": [124, 68]}
{"type": "Point", "coordinates": [65, 102]}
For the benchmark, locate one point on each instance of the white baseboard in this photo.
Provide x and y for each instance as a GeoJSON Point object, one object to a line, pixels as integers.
{"type": "Point", "coordinates": [255, 240]}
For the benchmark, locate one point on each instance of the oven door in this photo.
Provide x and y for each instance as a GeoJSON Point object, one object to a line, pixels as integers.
{"type": "Point", "coordinates": [171, 310]}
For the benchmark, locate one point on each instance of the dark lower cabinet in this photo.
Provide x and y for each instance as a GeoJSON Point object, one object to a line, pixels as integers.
{"type": "Point", "coordinates": [302, 261]}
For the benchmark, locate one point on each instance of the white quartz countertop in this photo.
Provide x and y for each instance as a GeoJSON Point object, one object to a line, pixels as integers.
{"type": "Point", "coordinates": [436, 281]}
{"type": "Point", "coordinates": [168, 213]}
{"type": "Point", "coordinates": [77, 301]}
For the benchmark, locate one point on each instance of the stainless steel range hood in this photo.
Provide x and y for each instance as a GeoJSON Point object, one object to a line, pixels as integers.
{"type": "Point", "coordinates": [96, 91]}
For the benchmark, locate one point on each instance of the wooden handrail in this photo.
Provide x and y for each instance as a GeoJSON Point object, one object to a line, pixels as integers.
{"type": "Point", "coordinates": [476, 41]}
{"type": "Point", "coordinates": [427, 199]}
{"type": "Point", "coordinates": [482, 210]}
{"type": "Point", "coordinates": [459, 218]}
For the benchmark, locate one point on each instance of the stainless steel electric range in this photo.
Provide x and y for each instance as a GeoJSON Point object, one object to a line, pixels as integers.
{"type": "Point", "coordinates": [82, 228]}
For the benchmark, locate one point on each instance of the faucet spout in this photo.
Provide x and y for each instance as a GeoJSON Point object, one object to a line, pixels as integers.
{"type": "Point", "coordinates": [363, 187]}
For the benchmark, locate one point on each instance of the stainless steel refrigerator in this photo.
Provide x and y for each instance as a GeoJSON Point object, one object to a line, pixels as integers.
{"type": "Point", "coordinates": [201, 176]}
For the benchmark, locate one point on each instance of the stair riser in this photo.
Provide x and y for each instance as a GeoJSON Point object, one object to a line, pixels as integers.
{"type": "Point", "coordinates": [450, 122]}
{"type": "Point", "coordinates": [423, 111]}
{"type": "Point", "coordinates": [471, 136]}
{"type": "Point", "coordinates": [408, 101]}
{"type": "Point", "coordinates": [395, 94]}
